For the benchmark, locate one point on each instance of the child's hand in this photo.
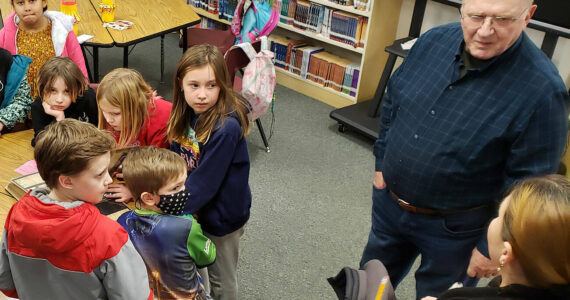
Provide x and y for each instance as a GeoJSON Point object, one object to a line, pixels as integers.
{"type": "Point", "coordinates": [119, 192]}
{"type": "Point", "coordinates": [57, 114]}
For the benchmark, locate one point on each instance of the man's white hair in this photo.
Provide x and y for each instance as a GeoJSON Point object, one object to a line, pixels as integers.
{"type": "Point", "coordinates": [530, 2]}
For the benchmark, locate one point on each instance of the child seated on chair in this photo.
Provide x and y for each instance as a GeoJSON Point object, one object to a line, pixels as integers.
{"type": "Point", "coordinates": [172, 245]}
{"type": "Point", "coordinates": [56, 244]}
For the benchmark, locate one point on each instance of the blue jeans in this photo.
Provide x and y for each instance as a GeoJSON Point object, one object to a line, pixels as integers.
{"type": "Point", "coordinates": [445, 243]}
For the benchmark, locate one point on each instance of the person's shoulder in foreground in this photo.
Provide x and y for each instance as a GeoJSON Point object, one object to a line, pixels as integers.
{"type": "Point", "coordinates": [56, 244]}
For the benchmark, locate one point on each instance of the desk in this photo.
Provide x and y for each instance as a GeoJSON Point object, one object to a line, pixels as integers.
{"type": "Point", "coordinates": [152, 18]}
{"type": "Point", "coordinates": [90, 24]}
{"type": "Point", "coordinates": [16, 150]}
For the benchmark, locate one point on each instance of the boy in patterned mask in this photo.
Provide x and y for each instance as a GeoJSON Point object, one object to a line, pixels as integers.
{"type": "Point", "coordinates": [172, 245]}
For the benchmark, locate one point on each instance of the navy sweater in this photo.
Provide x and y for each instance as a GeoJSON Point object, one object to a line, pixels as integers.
{"type": "Point", "coordinates": [218, 179]}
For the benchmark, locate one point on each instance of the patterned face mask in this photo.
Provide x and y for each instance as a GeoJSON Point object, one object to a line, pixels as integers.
{"type": "Point", "coordinates": [173, 204]}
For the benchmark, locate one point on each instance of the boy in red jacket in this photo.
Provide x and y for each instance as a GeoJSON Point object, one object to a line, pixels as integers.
{"type": "Point", "coordinates": [56, 244]}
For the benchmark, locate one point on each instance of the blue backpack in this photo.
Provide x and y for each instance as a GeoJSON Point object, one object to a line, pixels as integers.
{"type": "Point", "coordinates": [252, 20]}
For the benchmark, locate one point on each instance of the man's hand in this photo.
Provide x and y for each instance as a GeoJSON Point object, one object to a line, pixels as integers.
{"type": "Point", "coordinates": [1, 127]}
{"type": "Point", "coordinates": [379, 182]}
{"type": "Point", "coordinates": [480, 266]}
{"type": "Point", "coordinates": [119, 192]}
{"type": "Point", "coordinates": [57, 114]}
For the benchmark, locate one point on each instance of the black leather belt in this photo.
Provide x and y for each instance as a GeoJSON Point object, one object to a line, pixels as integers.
{"type": "Point", "coordinates": [428, 211]}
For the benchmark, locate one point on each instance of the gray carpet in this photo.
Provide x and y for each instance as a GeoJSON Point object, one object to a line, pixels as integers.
{"type": "Point", "coordinates": [311, 194]}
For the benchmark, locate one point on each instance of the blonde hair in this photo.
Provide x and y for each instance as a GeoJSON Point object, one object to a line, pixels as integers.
{"type": "Point", "coordinates": [537, 224]}
{"type": "Point", "coordinates": [148, 169]}
{"type": "Point", "coordinates": [126, 90]}
{"type": "Point", "coordinates": [61, 67]}
{"type": "Point", "coordinates": [66, 147]}
{"type": "Point", "coordinates": [228, 102]}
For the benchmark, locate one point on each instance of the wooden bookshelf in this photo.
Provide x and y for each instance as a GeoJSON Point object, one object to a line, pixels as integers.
{"type": "Point", "coordinates": [380, 33]}
{"type": "Point", "coordinates": [209, 15]}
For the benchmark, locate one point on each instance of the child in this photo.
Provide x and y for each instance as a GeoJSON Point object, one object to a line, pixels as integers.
{"type": "Point", "coordinates": [131, 111]}
{"type": "Point", "coordinates": [64, 93]}
{"type": "Point", "coordinates": [133, 114]}
{"type": "Point", "coordinates": [15, 97]}
{"type": "Point", "coordinates": [39, 34]}
{"type": "Point", "coordinates": [207, 128]}
{"type": "Point", "coordinates": [529, 243]}
{"type": "Point", "coordinates": [171, 244]}
{"type": "Point", "coordinates": [56, 244]}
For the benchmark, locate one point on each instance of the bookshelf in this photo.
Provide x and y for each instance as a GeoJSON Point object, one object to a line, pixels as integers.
{"type": "Point", "coordinates": [381, 31]}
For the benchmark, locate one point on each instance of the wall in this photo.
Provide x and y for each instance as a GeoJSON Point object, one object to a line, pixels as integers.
{"type": "Point", "coordinates": [438, 14]}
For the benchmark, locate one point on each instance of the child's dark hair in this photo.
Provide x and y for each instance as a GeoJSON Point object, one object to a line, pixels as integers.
{"type": "Point", "coordinates": [61, 67]}
{"type": "Point", "coordinates": [67, 146]}
{"type": "Point", "coordinates": [228, 102]}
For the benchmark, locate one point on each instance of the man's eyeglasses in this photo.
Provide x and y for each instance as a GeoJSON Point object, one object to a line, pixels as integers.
{"type": "Point", "coordinates": [476, 20]}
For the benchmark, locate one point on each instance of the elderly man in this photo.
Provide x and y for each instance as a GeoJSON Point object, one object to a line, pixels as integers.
{"type": "Point", "coordinates": [474, 107]}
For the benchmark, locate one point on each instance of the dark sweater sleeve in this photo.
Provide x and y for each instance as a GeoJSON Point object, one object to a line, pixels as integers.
{"type": "Point", "coordinates": [216, 158]}
{"type": "Point", "coordinates": [91, 106]}
{"type": "Point", "coordinates": [39, 118]}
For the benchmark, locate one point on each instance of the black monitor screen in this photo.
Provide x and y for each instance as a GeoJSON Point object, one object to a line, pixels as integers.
{"type": "Point", "coordinates": [555, 12]}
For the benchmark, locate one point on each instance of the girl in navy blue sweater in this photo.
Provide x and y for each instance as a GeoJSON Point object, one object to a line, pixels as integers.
{"type": "Point", "coordinates": [207, 127]}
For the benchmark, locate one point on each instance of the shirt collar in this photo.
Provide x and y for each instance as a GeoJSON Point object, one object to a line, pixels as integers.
{"type": "Point", "coordinates": [495, 59]}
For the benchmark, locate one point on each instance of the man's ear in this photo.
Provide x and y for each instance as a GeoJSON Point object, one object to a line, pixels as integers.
{"type": "Point", "coordinates": [149, 198]}
{"type": "Point", "coordinates": [531, 11]}
{"type": "Point", "coordinates": [65, 181]}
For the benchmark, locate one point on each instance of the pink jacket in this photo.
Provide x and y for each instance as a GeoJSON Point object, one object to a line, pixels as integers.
{"type": "Point", "coordinates": [64, 40]}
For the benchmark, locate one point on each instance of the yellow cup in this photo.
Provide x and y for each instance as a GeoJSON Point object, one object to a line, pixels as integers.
{"type": "Point", "coordinates": [108, 14]}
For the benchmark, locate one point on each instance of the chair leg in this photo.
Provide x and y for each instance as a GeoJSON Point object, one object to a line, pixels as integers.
{"type": "Point", "coordinates": [258, 122]}
{"type": "Point", "coordinates": [83, 50]}
{"type": "Point", "coordinates": [162, 58]}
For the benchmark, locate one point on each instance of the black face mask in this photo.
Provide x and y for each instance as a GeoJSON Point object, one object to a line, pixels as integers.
{"type": "Point", "coordinates": [173, 204]}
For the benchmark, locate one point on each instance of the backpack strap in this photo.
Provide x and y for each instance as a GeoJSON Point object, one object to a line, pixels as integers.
{"type": "Point", "coordinates": [264, 43]}
{"type": "Point", "coordinates": [248, 50]}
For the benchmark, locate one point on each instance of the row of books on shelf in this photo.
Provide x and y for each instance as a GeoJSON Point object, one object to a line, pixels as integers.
{"type": "Point", "coordinates": [313, 63]}
{"type": "Point", "coordinates": [331, 23]}
{"type": "Point", "coordinates": [223, 8]}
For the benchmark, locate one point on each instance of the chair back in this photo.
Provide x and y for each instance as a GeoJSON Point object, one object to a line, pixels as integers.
{"type": "Point", "coordinates": [223, 39]}
{"type": "Point", "coordinates": [236, 59]}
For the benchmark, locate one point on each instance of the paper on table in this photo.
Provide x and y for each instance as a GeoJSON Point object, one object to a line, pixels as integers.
{"type": "Point", "coordinates": [84, 38]}
{"type": "Point", "coordinates": [28, 167]}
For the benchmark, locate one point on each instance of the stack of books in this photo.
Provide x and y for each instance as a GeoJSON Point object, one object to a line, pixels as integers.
{"type": "Point", "coordinates": [315, 64]}
{"type": "Point", "coordinates": [331, 23]}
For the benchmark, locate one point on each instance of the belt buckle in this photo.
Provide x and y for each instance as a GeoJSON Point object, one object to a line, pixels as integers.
{"type": "Point", "coordinates": [403, 201]}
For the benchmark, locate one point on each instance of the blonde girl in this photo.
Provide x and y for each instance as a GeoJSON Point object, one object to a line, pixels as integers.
{"type": "Point", "coordinates": [64, 93]}
{"type": "Point", "coordinates": [133, 113]}
{"type": "Point", "coordinates": [207, 128]}
{"type": "Point", "coordinates": [529, 242]}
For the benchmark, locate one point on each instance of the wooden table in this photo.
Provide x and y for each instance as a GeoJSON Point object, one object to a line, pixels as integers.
{"type": "Point", "coordinates": [16, 150]}
{"type": "Point", "coordinates": [151, 18]}
{"type": "Point", "coordinates": [90, 24]}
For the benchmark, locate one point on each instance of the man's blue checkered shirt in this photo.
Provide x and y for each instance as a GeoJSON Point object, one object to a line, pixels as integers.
{"type": "Point", "coordinates": [453, 143]}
